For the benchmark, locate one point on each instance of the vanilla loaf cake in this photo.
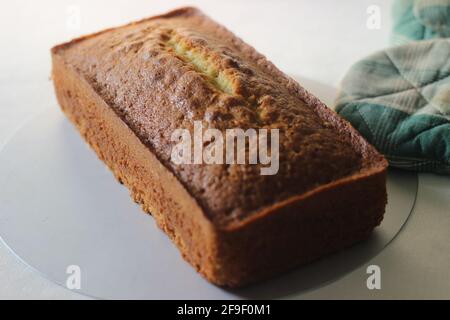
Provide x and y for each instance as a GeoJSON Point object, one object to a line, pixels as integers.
{"type": "Point", "coordinates": [128, 89]}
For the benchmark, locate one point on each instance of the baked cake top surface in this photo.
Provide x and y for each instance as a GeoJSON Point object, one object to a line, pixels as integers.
{"type": "Point", "coordinates": [164, 73]}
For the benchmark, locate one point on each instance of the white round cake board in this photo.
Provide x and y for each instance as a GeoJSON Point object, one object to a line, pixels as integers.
{"type": "Point", "coordinates": [60, 206]}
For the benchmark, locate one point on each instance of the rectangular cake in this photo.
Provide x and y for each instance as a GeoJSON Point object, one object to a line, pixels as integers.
{"type": "Point", "coordinates": [129, 89]}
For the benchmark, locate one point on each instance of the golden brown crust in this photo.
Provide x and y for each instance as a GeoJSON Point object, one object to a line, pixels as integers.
{"type": "Point", "coordinates": [151, 185]}
{"type": "Point", "coordinates": [126, 89]}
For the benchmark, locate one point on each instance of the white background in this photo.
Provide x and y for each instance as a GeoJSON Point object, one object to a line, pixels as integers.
{"type": "Point", "coordinates": [313, 41]}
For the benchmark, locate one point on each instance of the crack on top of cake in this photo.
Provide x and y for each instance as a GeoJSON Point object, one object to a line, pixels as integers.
{"type": "Point", "coordinates": [203, 62]}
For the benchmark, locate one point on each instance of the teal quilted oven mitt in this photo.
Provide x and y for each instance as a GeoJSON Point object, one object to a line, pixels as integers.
{"type": "Point", "coordinates": [420, 20]}
{"type": "Point", "coordinates": [399, 98]}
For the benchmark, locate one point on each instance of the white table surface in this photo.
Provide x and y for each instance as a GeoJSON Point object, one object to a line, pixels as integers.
{"type": "Point", "coordinates": [313, 41]}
